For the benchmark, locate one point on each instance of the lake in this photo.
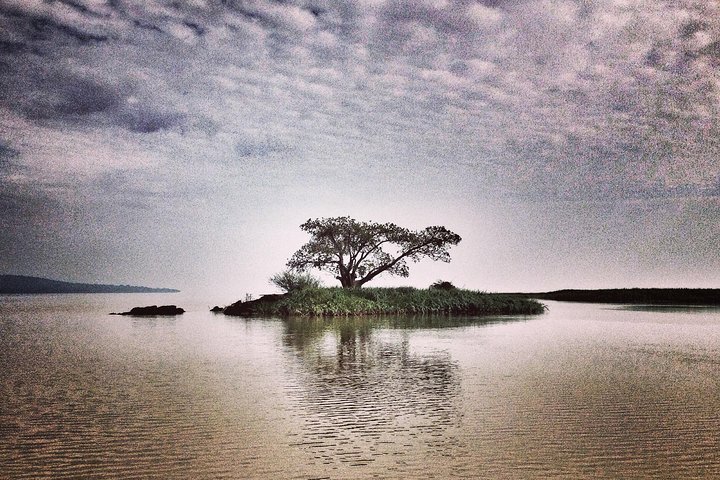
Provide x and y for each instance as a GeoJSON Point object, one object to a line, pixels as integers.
{"type": "Point", "coordinates": [582, 391]}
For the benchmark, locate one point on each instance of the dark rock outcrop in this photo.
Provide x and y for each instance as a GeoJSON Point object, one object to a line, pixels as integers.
{"type": "Point", "coordinates": [216, 309]}
{"type": "Point", "coordinates": [152, 310]}
{"type": "Point", "coordinates": [252, 307]}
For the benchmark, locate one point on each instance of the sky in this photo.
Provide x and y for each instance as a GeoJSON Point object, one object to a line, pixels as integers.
{"type": "Point", "coordinates": [571, 144]}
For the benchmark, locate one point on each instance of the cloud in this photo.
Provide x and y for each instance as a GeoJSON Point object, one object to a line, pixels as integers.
{"type": "Point", "coordinates": [130, 128]}
{"type": "Point", "coordinates": [247, 148]}
{"type": "Point", "coordinates": [63, 97]}
{"type": "Point", "coordinates": [543, 98]}
{"type": "Point", "coordinates": [61, 22]}
{"type": "Point", "coordinates": [6, 155]}
{"type": "Point", "coordinates": [144, 120]}
{"type": "Point", "coordinates": [483, 14]}
{"type": "Point", "coordinates": [69, 98]}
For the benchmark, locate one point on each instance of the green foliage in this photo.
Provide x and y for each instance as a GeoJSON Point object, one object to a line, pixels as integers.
{"type": "Point", "coordinates": [324, 302]}
{"type": "Point", "coordinates": [289, 281]}
{"type": "Point", "coordinates": [405, 300]}
{"type": "Point", "coordinates": [354, 252]}
{"type": "Point", "coordinates": [443, 285]}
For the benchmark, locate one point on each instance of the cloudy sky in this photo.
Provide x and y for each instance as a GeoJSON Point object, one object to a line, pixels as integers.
{"type": "Point", "coordinates": [571, 143]}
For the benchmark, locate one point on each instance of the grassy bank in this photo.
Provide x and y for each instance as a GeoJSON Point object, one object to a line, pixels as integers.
{"type": "Point", "coordinates": [385, 301]}
{"type": "Point", "coordinates": [652, 296]}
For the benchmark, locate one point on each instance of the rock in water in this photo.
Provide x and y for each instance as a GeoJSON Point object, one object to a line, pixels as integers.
{"type": "Point", "coordinates": [251, 307]}
{"type": "Point", "coordinates": [152, 310]}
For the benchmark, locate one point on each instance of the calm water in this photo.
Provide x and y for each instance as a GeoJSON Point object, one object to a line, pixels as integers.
{"type": "Point", "coordinates": [582, 391]}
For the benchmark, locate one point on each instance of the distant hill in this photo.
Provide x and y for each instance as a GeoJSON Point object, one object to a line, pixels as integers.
{"type": "Point", "coordinates": [23, 284]}
{"type": "Point", "coordinates": [653, 296]}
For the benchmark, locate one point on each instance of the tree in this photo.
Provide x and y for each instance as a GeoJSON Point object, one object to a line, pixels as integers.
{"type": "Point", "coordinates": [355, 252]}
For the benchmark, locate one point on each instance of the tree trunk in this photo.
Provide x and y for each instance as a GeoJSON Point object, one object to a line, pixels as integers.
{"type": "Point", "coordinates": [349, 281]}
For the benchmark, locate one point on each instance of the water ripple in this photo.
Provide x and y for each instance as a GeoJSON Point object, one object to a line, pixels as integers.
{"type": "Point", "coordinates": [583, 392]}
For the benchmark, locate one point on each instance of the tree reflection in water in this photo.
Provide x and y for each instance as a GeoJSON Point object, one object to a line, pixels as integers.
{"type": "Point", "coordinates": [366, 394]}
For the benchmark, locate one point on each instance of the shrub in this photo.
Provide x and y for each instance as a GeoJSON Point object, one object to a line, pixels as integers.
{"type": "Point", "coordinates": [443, 285]}
{"type": "Point", "coordinates": [290, 281]}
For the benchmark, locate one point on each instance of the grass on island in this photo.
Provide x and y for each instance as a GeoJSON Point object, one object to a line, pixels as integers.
{"type": "Point", "coordinates": [385, 301]}
{"type": "Point", "coordinates": [651, 296]}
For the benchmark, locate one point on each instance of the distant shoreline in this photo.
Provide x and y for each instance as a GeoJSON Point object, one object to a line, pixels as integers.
{"type": "Point", "coordinates": [25, 285]}
{"type": "Point", "coordinates": [650, 296]}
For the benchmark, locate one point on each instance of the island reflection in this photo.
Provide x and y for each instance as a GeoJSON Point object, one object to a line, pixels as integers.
{"type": "Point", "coordinates": [366, 392]}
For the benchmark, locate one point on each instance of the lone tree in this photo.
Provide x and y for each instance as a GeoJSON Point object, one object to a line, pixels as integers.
{"type": "Point", "coordinates": [355, 252]}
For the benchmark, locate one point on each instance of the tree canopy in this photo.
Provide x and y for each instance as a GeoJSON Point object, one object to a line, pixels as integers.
{"type": "Point", "coordinates": [356, 252]}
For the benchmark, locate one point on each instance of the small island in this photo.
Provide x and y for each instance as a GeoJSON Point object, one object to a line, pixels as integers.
{"type": "Point", "coordinates": [153, 311]}
{"type": "Point", "coordinates": [336, 301]}
{"type": "Point", "coordinates": [353, 252]}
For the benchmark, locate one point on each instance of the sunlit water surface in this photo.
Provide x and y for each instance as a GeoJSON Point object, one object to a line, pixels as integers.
{"type": "Point", "coordinates": [581, 391]}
